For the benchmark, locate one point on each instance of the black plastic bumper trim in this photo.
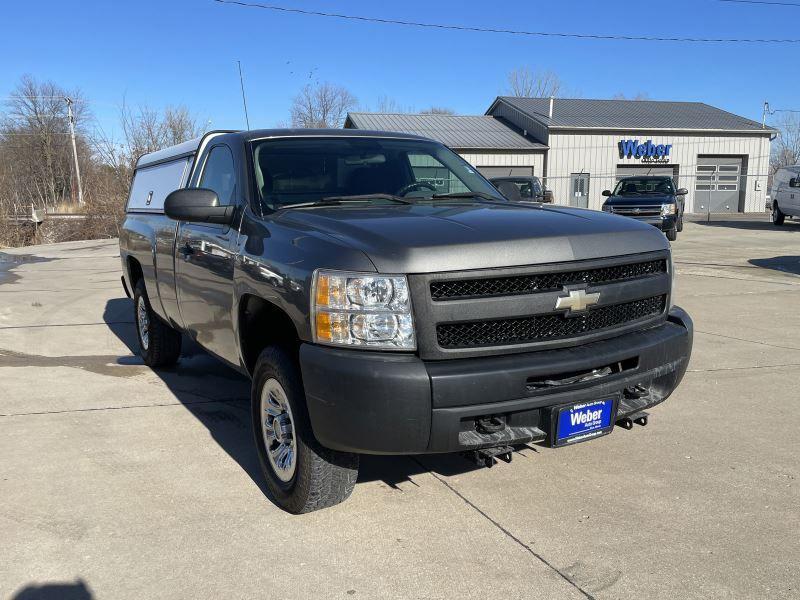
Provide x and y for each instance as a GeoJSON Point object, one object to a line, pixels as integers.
{"type": "Point", "coordinates": [383, 403]}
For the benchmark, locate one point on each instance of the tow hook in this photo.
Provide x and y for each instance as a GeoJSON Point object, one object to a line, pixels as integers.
{"type": "Point", "coordinates": [639, 418]}
{"type": "Point", "coordinates": [636, 391]}
{"type": "Point", "coordinates": [487, 425]}
{"type": "Point", "coordinates": [487, 457]}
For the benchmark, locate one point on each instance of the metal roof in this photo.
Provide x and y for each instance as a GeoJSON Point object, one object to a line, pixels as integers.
{"type": "Point", "coordinates": [578, 113]}
{"type": "Point", "coordinates": [455, 131]}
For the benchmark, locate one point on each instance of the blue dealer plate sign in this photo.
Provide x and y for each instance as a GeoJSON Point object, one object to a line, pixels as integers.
{"type": "Point", "coordinates": [584, 421]}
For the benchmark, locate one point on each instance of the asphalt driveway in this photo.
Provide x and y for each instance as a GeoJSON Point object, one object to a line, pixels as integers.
{"type": "Point", "coordinates": [120, 482]}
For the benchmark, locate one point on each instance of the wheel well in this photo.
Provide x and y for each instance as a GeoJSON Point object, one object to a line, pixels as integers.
{"type": "Point", "coordinates": [134, 272]}
{"type": "Point", "coordinates": [263, 324]}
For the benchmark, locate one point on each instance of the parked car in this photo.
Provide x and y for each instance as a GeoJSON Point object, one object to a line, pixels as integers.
{"type": "Point", "coordinates": [785, 194]}
{"type": "Point", "coordinates": [528, 189]}
{"type": "Point", "coordinates": [377, 312]}
{"type": "Point", "coordinates": [651, 199]}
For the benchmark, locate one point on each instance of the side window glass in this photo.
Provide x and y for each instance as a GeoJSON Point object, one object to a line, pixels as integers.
{"type": "Point", "coordinates": [219, 174]}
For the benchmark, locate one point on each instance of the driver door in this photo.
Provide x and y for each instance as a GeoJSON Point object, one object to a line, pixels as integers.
{"type": "Point", "coordinates": [204, 262]}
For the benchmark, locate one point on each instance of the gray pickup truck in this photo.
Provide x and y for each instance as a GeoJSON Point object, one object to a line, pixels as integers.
{"type": "Point", "coordinates": [381, 310]}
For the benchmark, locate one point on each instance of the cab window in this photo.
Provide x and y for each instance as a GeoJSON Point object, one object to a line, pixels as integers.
{"type": "Point", "coordinates": [219, 174]}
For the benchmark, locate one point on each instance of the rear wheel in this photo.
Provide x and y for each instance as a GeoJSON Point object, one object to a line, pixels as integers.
{"type": "Point", "coordinates": [672, 234]}
{"type": "Point", "coordinates": [777, 216]}
{"type": "Point", "coordinates": [679, 225]}
{"type": "Point", "coordinates": [302, 475]}
{"type": "Point", "coordinates": [159, 344]}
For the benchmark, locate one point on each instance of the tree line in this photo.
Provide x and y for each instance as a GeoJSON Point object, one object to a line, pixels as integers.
{"type": "Point", "coordinates": [36, 157]}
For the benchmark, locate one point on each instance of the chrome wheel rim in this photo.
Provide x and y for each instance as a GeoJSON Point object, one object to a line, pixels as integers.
{"type": "Point", "coordinates": [144, 323]}
{"type": "Point", "coordinates": [277, 429]}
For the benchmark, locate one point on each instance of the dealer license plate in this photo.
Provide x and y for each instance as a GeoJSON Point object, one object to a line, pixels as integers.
{"type": "Point", "coordinates": [584, 421]}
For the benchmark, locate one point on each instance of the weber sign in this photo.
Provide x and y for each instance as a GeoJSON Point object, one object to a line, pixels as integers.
{"type": "Point", "coordinates": [646, 151]}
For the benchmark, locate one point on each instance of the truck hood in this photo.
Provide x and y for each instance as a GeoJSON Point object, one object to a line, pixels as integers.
{"type": "Point", "coordinates": [428, 237]}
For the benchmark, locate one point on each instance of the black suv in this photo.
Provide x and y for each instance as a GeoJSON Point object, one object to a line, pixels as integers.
{"type": "Point", "coordinates": [652, 199]}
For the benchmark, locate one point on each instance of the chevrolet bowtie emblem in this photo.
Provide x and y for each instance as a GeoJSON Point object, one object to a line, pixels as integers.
{"type": "Point", "coordinates": [577, 301]}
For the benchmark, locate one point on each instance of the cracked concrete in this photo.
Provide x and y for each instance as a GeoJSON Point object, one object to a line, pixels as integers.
{"type": "Point", "coordinates": [129, 483]}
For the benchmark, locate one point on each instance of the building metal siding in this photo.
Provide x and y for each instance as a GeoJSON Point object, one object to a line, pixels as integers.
{"type": "Point", "coordinates": [597, 153]}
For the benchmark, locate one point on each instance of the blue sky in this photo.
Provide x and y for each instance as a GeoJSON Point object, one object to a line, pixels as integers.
{"type": "Point", "coordinates": [184, 52]}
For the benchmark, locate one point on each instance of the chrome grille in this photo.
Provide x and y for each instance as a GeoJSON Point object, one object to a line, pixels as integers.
{"type": "Point", "coordinates": [637, 211]}
{"type": "Point", "coordinates": [536, 328]}
{"type": "Point", "coordinates": [458, 289]}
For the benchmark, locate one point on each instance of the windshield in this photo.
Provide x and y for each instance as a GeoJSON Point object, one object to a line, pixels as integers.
{"type": "Point", "coordinates": [302, 170]}
{"type": "Point", "coordinates": [645, 185]}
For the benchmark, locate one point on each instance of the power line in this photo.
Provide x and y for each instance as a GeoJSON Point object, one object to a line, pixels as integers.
{"type": "Point", "coordinates": [767, 2]}
{"type": "Point", "coordinates": [589, 36]}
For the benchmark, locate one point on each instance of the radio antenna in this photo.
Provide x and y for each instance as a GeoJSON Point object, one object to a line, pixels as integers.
{"type": "Point", "coordinates": [244, 98]}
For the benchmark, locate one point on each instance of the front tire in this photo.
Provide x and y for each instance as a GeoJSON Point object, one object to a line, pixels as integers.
{"type": "Point", "coordinates": [672, 234]}
{"type": "Point", "coordinates": [777, 216]}
{"type": "Point", "coordinates": [159, 344]}
{"type": "Point", "coordinates": [302, 475]}
{"type": "Point", "coordinates": [679, 226]}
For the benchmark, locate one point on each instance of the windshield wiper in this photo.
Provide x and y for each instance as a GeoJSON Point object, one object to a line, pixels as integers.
{"type": "Point", "coordinates": [482, 195]}
{"type": "Point", "coordinates": [336, 200]}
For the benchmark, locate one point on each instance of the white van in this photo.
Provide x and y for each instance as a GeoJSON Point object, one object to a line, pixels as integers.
{"type": "Point", "coordinates": [786, 194]}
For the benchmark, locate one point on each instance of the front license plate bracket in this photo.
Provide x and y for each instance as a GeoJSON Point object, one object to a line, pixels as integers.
{"type": "Point", "coordinates": [582, 421]}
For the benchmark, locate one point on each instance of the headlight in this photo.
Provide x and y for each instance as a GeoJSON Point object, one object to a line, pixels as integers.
{"type": "Point", "coordinates": [668, 209]}
{"type": "Point", "coordinates": [362, 309]}
{"type": "Point", "coordinates": [607, 208]}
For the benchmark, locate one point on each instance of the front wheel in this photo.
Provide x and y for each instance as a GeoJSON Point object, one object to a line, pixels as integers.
{"type": "Point", "coordinates": [679, 226]}
{"type": "Point", "coordinates": [672, 234]}
{"type": "Point", "coordinates": [777, 216]}
{"type": "Point", "coordinates": [301, 475]}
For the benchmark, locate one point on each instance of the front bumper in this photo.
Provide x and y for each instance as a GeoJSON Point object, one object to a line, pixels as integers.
{"type": "Point", "coordinates": [383, 403]}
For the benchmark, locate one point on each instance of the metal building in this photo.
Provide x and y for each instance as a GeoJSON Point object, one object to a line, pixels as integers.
{"type": "Point", "coordinates": [581, 147]}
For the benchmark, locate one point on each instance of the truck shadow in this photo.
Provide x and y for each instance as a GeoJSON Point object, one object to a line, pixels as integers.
{"type": "Point", "coordinates": [219, 397]}
{"type": "Point", "coordinates": [784, 264]}
{"type": "Point", "coordinates": [749, 225]}
{"type": "Point", "coordinates": [55, 591]}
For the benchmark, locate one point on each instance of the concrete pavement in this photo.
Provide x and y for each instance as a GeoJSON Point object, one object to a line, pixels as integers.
{"type": "Point", "coordinates": [120, 482]}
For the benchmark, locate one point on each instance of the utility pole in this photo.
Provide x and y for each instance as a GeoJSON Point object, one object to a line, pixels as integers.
{"type": "Point", "coordinates": [244, 100]}
{"type": "Point", "coordinates": [71, 119]}
{"type": "Point", "coordinates": [764, 115]}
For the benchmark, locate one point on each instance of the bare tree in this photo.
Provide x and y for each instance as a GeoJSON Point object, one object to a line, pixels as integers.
{"type": "Point", "coordinates": [526, 83]}
{"type": "Point", "coordinates": [35, 155]}
{"type": "Point", "coordinates": [437, 110]}
{"type": "Point", "coordinates": [637, 96]}
{"type": "Point", "coordinates": [387, 104]}
{"type": "Point", "coordinates": [786, 147]}
{"type": "Point", "coordinates": [144, 130]}
{"type": "Point", "coordinates": [322, 106]}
